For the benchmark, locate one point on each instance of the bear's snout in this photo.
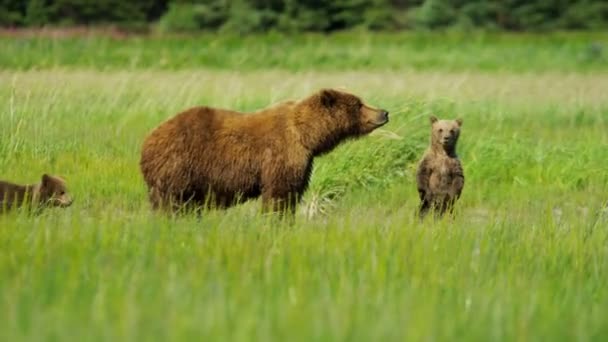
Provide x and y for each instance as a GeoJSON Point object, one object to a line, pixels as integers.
{"type": "Point", "coordinates": [65, 201]}
{"type": "Point", "coordinates": [373, 118]}
{"type": "Point", "coordinates": [449, 139]}
{"type": "Point", "coordinates": [383, 116]}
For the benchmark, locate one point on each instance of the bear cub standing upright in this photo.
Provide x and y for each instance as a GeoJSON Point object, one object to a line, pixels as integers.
{"type": "Point", "coordinates": [440, 176]}
{"type": "Point", "coordinates": [51, 191]}
{"type": "Point", "coordinates": [210, 157]}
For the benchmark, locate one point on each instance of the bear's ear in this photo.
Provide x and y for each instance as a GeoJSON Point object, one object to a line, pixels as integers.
{"type": "Point", "coordinates": [433, 119]}
{"type": "Point", "coordinates": [459, 122]}
{"type": "Point", "coordinates": [328, 97]}
{"type": "Point", "coordinates": [46, 179]}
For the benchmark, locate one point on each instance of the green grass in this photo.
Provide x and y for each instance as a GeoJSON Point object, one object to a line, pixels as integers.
{"type": "Point", "coordinates": [450, 51]}
{"type": "Point", "coordinates": [525, 258]}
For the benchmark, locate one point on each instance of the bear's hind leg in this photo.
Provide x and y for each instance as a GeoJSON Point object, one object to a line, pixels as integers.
{"type": "Point", "coordinates": [285, 205]}
{"type": "Point", "coordinates": [425, 206]}
{"type": "Point", "coordinates": [164, 201]}
{"type": "Point", "coordinates": [445, 205]}
{"type": "Point", "coordinates": [156, 198]}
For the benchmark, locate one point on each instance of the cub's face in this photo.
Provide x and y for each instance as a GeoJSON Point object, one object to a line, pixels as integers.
{"type": "Point", "coordinates": [445, 132]}
{"type": "Point", "coordinates": [350, 113]}
{"type": "Point", "coordinates": [53, 192]}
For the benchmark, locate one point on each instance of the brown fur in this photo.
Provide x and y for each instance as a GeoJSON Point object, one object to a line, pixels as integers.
{"type": "Point", "coordinates": [51, 191]}
{"type": "Point", "coordinates": [212, 157]}
{"type": "Point", "coordinates": [440, 176]}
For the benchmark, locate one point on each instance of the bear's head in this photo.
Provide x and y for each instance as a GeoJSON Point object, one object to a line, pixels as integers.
{"type": "Point", "coordinates": [331, 116]}
{"type": "Point", "coordinates": [53, 192]}
{"type": "Point", "coordinates": [445, 133]}
{"type": "Point", "coordinates": [348, 112]}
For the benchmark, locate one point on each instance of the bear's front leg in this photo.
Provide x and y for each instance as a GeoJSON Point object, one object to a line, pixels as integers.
{"type": "Point", "coordinates": [279, 201]}
{"type": "Point", "coordinates": [283, 183]}
{"type": "Point", "coordinates": [423, 175]}
{"type": "Point", "coordinates": [457, 185]}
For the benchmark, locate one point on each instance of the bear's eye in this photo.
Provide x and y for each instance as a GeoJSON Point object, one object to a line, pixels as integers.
{"type": "Point", "coordinates": [61, 193]}
{"type": "Point", "coordinates": [451, 131]}
{"type": "Point", "coordinates": [441, 130]}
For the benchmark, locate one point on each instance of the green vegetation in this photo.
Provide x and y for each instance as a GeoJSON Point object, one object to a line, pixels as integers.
{"type": "Point", "coordinates": [347, 51]}
{"type": "Point", "coordinates": [246, 16]}
{"type": "Point", "coordinates": [525, 258]}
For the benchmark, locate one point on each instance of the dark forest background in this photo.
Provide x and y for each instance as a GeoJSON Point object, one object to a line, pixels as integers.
{"type": "Point", "coordinates": [243, 16]}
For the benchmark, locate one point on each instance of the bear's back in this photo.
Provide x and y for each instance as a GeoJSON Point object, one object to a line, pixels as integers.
{"type": "Point", "coordinates": [12, 195]}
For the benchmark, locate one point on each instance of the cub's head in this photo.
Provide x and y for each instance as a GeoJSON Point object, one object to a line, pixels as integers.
{"type": "Point", "coordinates": [445, 132]}
{"type": "Point", "coordinates": [53, 192]}
{"type": "Point", "coordinates": [349, 114]}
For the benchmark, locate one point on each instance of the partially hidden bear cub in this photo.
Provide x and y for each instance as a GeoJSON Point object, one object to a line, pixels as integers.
{"type": "Point", "coordinates": [210, 157]}
{"type": "Point", "coordinates": [50, 192]}
{"type": "Point", "coordinates": [440, 176]}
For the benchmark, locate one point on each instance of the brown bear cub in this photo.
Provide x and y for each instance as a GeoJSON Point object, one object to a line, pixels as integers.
{"type": "Point", "coordinates": [207, 157]}
{"type": "Point", "coordinates": [440, 176]}
{"type": "Point", "coordinates": [50, 192]}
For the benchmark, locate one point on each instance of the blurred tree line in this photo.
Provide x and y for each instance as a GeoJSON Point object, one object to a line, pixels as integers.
{"type": "Point", "coordinates": [244, 16]}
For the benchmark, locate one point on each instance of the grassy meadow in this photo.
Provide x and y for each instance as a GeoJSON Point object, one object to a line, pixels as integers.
{"type": "Point", "coordinates": [525, 257]}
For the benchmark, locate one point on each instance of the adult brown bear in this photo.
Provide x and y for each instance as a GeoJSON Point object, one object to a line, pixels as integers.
{"type": "Point", "coordinates": [207, 157]}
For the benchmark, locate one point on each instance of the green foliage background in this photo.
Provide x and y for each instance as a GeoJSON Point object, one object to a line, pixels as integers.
{"type": "Point", "coordinates": [246, 16]}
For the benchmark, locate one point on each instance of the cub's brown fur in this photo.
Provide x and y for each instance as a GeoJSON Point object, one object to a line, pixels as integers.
{"type": "Point", "coordinates": [51, 191]}
{"type": "Point", "coordinates": [440, 176]}
{"type": "Point", "coordinates": [210, 157]}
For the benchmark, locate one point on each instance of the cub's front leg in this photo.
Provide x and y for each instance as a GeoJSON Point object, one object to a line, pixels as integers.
{"type": "Point", "coordinates": [423, 175]}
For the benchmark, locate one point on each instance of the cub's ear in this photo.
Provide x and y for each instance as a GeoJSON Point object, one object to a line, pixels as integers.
{"type": "Point", "coordinates": [433, 119]}
{"type": "Point", "coordinates": [459, 122]}
{"type": "Point", "coordinates": [328, 97]}
{"type": "Point", "coordinates": [46, 179]}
